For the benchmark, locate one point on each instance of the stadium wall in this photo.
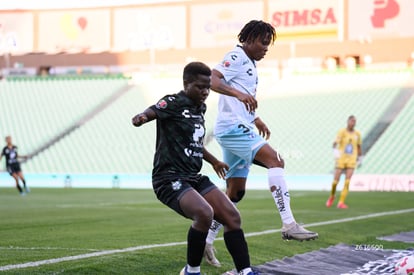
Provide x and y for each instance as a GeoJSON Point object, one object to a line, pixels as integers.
{"type": "Point", "coordinates": [173, 33]}
{"type": "Point", "coordinates": [359, 183]}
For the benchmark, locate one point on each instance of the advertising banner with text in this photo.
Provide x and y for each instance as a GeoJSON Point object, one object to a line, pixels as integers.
{"type": "Point", "coordinates": [217, 25]}
{"type": "Point", "coordinates": [370, 19]}
{"type": "Point", "coordinates": [152, 27]}
{"type": "Point", "coordinates": [16, 32]}
{"type": "Point", "coordinates": [81, 30]}
{"type": "Point", "coordinates": [306, 20]}
{"type": "Point", "coordinates": [384, 183]}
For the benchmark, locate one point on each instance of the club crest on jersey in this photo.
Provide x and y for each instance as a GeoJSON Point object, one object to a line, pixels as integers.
{"type": "Point", "coordinates": [162, 104]}
{"type": "Point", "coordinates": [176, 185]}
{"type": "Point", "coordinates": [226, 63]}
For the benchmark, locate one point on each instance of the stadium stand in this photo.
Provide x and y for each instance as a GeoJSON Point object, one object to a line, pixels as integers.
{"type": "Point", "coordinates": [34, 110]}
{"type": "Point", "coordinates": [304, 113]}
{"type": "Point", "coordinates": [392, 153]}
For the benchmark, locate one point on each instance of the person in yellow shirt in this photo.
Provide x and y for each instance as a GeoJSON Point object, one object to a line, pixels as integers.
{"type": "Point", "coordinates": [348, 156]}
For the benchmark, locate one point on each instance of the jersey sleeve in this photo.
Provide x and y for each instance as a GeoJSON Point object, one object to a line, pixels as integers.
{"type": "Point", "coordinates": [165, 107]}
{"type": "Point", "coordinates": [230, 65]}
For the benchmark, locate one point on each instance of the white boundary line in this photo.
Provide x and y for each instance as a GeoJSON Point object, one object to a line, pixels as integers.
{"type": "Point", "coordinates": [142, 247]}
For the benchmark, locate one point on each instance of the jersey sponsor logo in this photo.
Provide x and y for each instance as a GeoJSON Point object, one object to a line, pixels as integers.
{"type": "Point", "coordinates": [198, 134]}
{"type": "Point", "coordinates": [191, 153]}
{"type": "Point", "coordinates": [176, 185]}
{"type": "Point", "coordinates": [279, 199]}
{"type": "Point", "coordinates": [188, 152]}
{"type": "Point", "coordinates": [186, 113]}
{"type": "Point", "coordinates": [162, 104]}
{"type": "Point", "coordinates": [226, 63]}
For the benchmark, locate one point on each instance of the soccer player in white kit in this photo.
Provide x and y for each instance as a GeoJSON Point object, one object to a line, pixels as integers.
{"type": "Point", "coordinates": [235, 79]}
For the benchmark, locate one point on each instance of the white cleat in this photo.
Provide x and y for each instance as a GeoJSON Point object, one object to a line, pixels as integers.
{"type": "Point", "coordinates": [209, 256]}
{"type": "Point", "coordinates": [298, 232]}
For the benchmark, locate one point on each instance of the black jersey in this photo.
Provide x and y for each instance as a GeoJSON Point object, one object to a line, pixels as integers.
{"type": "Point", "coordinates": [180, 135]}
{"type": "Point", "coordinates": [10, 154]}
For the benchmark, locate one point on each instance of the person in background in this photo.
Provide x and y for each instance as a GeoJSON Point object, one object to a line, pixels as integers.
{"type": "Point", "coordinates": [13, 164]}
{"type": "Point", "coordinates": [348, 155]}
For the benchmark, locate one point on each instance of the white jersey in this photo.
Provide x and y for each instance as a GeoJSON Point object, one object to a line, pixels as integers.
{"type": "Point", "coordinates": [240, 72]}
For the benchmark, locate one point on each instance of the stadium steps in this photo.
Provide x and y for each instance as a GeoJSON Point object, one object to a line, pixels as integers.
{"type": "Point", "coordinates": [393, 153]}
{"type": "Point", "coordinates": [35, 110]}
{"type": "Point", "coordinates": [106, 143]}
{"type": "Point", "coordinates": [389, 115]}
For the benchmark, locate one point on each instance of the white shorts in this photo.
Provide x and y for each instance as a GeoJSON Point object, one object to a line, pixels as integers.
{"type": "Point", "coordinates": [239, 145]}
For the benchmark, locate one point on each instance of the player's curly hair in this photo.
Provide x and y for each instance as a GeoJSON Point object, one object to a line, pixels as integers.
{"type": "Point", "coordinates": [257, 29]}
{"type": "Point", "coordinates": [192, 69]}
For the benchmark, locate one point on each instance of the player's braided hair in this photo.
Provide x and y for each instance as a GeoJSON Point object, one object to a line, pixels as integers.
{"type": "Point", "coordinates": [192, 69]}
{"type": "Point", "coordinates": [257, 29]}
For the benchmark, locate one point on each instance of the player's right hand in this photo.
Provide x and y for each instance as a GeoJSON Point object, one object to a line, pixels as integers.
{"type": "Point", "coordinates": [249, 101]}
{"type": "Point", "coordinates": [139, 119]}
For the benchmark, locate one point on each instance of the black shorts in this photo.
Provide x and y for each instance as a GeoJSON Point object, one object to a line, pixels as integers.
{"type": "Point", "coordinates": [170, 191]}
{"type": "Point", "coordinates": [13, 168]}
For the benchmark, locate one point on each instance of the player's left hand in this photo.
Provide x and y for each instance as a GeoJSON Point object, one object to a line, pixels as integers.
{"type": "Point", "coordinates": [221, 169]}
{"type": "Point", "coordinates": [262, 128]}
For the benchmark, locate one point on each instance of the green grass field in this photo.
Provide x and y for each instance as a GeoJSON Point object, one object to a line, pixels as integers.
{"type": "Point", "coordinates": [55, 223]}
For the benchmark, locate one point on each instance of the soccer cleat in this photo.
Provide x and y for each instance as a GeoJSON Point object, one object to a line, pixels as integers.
{"type": "Point", "coordinates": [342, 205]}
{"type": "Point", "coordinates": [27, 189]}
{"type": "Point", "coordinates": [209, 256]}
{"type": "Point", "coordinates": [184, 272]}
{"type": "Point", "coordinates": [298, 232]}
{"type": "Point", "coordinates": [330, 201]}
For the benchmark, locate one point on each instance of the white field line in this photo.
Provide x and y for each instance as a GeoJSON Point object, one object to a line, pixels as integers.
{"type": "Point", "coordinates": [142, 247]}
{"type": "Point", "coordinates": [46, 248]}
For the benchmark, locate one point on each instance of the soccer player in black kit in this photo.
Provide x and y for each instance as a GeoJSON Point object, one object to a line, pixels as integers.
{"type": "Point", "coordinates": [176, 177]}
{"type": "Point", "coordinates": [13, 164]}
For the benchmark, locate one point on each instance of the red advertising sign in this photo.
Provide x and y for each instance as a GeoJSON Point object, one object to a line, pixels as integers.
{"type": "Point", "coordinates": [370, 19]}
{"type": "Point", "coordinates": [302, 20]}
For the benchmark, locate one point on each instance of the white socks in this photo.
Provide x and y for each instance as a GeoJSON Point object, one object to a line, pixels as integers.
{"type": "Point", "coordinates": [213, 231]}
{"type": "Point", "coordinates": [280, 194]}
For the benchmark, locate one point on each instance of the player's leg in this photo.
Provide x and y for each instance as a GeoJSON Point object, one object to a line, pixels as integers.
{"type": "Point", "coordinates": [227, 214]}
{"type": "Point", "coordinates": [348, 174]}
{"type": "Point", "coordinates": [195, 207]}
{"type": "Point", "coordinates": [187, 202]}
{"type": "Point", "coordinates": [235, 186]}
{"type": "Point", "coordinates": [280, 193]}
{"type": "Point", "coordinates": [16, 179]}
{"type": "Point", "coordinates": [21, 177]}
{"type": "Point", "coordinates": [337, 176]}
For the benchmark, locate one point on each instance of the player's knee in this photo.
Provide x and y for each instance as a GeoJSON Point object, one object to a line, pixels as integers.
{"type": "Point", "coordinates": [203, 219]}
{"type": "Point", "coordinates": [238, 196]}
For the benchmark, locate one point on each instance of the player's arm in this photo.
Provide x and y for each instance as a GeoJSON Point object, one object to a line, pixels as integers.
{"type": "Point", "coordinates": [144, 117]}
{"type": "Point", "coordinates": [219, 166]}
{"type": "Point", "coordinates": [24, 157]}
{"type": "Point", "coordinates": [220, 86]}
{"type": "Point", "coordinates": [262, 128]}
